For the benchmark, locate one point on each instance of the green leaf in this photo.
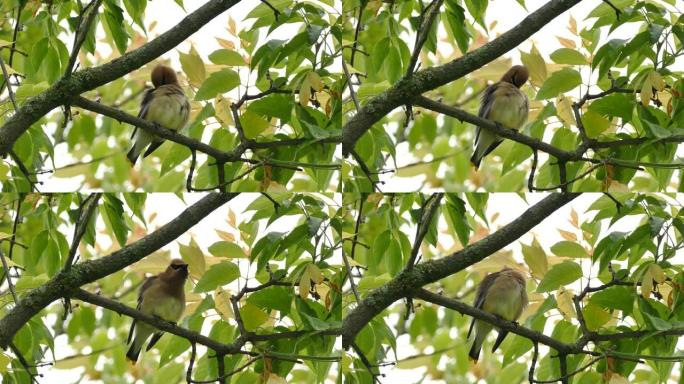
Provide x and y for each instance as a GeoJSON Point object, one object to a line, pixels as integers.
{"type": "Point", "coordinates": [569, 249]}
{"type": "Point", "coordinates": [594, 123]}
{"type": "Point", "coordinates": [253, 124]}
{"type": "Point", "coordinates": [616, 297]}
{"type": "Point", "coordinates": [114, 213]}
{"type": "Point", "coordinates": [227, 57]}
{"type": "Point", "coordinates": [560, 274]}
{"type": "Point", "coordinates": [277, 105]}
{"type": "Point", "coordinates": [559, 82]}
{"type": "Point", "coordinates": [227, 249]}
{"type": "Point", "coordinates": [217, 275]}
{"type": "Point", "coordinates": [457, 213]}
{"type": "Point", "coordinates": [218, 82]}
{"type": "Point", "coordinates": [117, 27]}
{"type": "Point", "coordinates": [595, 316]}
{"type": "Point", "coordinates": [657, 323]}
{"type": "Point", "coordinates": [615, 105]}
{"type": "Point", "coordinates": [276, 298]}
{"type": "Point", "coordinates": [568, 56]}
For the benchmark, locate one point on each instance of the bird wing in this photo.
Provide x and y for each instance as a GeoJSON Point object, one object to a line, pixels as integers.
{"type": "Point", "coordinates": [482, 294]}
{"type": "Point", "coordinates": [144, 287]}
{"type": "Point", "coordinates": [144, 105]}
{"type": "Point", "coordinates": [486, 102]}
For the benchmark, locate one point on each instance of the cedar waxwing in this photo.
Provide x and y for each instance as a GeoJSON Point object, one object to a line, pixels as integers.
{"type": "Point", "coordinates": [161, 296]}
{"type": "Point", "coordinates": [502, 294]}
{"type": "Point", "coordinates": [166, 105]}
{"type": "Point", "coordinates": [504, 103]}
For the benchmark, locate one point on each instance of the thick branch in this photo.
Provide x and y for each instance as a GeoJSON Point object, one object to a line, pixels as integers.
{"type": "Point", "coordinates": [67, 281]}
{"type": "Point", "coordinates": [408, 281]}
{"type": "Point", "coordinates": [493, 127]}
{"type": "Point", "coordinates": [405, 90]}
{"type": "Point", "coordinates": [64, 90]}
{"type": "Point", "coordinates": [510, 326]}
{"type": "Point", "coordinates": [165, 326]}
{"type": "Point", "coordinates": [160, 131]}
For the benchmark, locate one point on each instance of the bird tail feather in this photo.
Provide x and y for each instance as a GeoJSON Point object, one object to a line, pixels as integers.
{"type": "Point", "coordinates": [133, 353]}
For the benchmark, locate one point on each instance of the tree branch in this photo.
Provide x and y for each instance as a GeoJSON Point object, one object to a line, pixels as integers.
{"type": "Point", "coordinates": [81, 32]}
{"type": "Point", "coordinates": [81, 225]}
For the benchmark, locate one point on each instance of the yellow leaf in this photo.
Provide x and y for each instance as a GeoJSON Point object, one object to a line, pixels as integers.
{"type": "Point", "coordinates": [305, 284]}
{"type": "Point", "coordinates": [4, 235]}
{"type": "Point", "coordinates": [565, 304]}
{"type": "Point", "coordinates": [572, 25]}
{"type": "Point", "coordinates": [657, 273]}
{"type": "Point", "coordinates": [193, 66]}
{"type": "Point", "coordinates": [232, 28]}
{"type": "Point", "coordinates": [567, 43]}
{"type": "Point", "coordinates": [535, 258]}
{"type": "Point", "coordinates": [222, 111]}
{"type": "Point", "coordinates": [5, 43]}
{"type": "Point", "coordinates": [574, 219]}
{"type": "Point", "coordinates": [227, 44]}
{"type": "Point", "coordinates": [646, 90]}
{"type": "Point", "coordinates": [232, 220]}
{"type": "Point", "coordinates": [568, 235]}
{"type": "Point", "coordinates": [222, 304]}
{"type": "Point", "coordinates": [315, 81]}
{"type": "Point", "coordinates": [535, 65]}
{"type": "Point", "coordinates": [225, 235]}
{"type": "Point", "coordinates": [305, 92]}
{"type": "Point", "coordinates": [315, 274]}
{"type": "Point", "coordinates": [194, 256]}
{"type": "Point", "coordinates": [564, 110]}
{"type": "Point", "coordinates": [647, 284]}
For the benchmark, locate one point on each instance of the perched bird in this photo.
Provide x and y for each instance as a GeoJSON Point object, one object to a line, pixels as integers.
{"type": "Point", "coordinates": [162, 296]}
{"type": "Point", "coordinates": [504, 103]}
{"type": "Point", "coordinates": [165, 105]}
{"type": "Point", "coordinates": [502, 294]}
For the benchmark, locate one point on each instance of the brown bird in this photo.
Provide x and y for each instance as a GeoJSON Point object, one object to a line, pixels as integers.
{"type": "Point", "coordinates": [502, 294]}
{"type": "Point", "coordinates": [162, 296]}
{"type": "Point", "coordinates": [165, 105]}
{"type": "Point", "coordinates": [504, 103]}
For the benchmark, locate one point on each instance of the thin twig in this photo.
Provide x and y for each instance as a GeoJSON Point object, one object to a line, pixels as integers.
{"type": "Point", "coordinates": [423, 32]}
{"type": "Point", "coordinates": [85, 212]}
{"type": "Point", "coordinates": [9, 85]}
{"type": "Point", "coordinates": [87, 17]}
{"type": "Point", "coordinates": [9, 278]}
{"type": "Point", "coordinates": [426, 215]}
{"type": "Point", "coordinates": [352, 93]}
